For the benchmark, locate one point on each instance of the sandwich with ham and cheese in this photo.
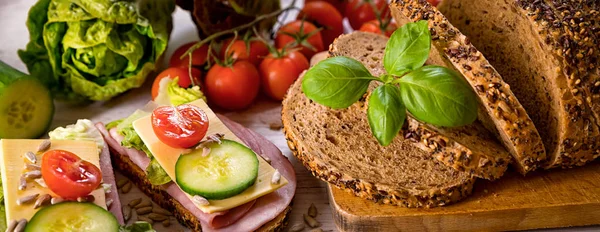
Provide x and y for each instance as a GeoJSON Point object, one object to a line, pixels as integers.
{"type": "Point", "coordinates": [212, 173]}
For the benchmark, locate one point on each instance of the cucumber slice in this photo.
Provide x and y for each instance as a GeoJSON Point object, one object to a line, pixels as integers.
{"type": "Point", "coordinates": [26, 106]}
{"type": "Point", "coordinates": [229, 169]}
{"type": "Point", "coordinates": [73, 216]}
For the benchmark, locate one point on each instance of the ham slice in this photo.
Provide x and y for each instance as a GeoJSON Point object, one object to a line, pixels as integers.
{"type": "Point", "coordinates": [108, 177]}
{"type": "Point", "coordinates": [247, 217]}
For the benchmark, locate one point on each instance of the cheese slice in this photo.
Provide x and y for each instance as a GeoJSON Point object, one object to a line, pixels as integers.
{"type": "Point", "coordinates": [12, 163]}
{"type": "Point", "coordinates": [167, 157]}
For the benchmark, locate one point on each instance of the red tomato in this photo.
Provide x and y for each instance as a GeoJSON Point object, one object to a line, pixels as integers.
{"type": "Point", "coordinates": [232, 88]}
{"type": "Point", "coordinates": [278, 74]}
{"type": "Point", "coordinates": [69, 176]}
{"type": "Point", "coordinates": [373, 27]}
{"type": "Point", "coordinates": [308, 39]}
{"type": "Point", "coordinates": [340, 5]}
{"type": "Point", "coordinates": [181, 72]}
{"type": "Point", "coordinates": [434, 2]}
{"type": "Point", "coordinates": [182, 126]}
{"type": "Point", "coordinates": [198, 56]}
{"type": "Point", "coordinates": [362, 11]}
{"type": "Point", "coordinates": [324, 16]}
{"type": "Point", "coordinates": [239, 51]}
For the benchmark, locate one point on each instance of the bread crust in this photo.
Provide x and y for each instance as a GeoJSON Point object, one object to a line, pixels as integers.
{"type": "Point", "coordinates": [164, 200]}
{"type": "Point", "coordinates": [508, 117]}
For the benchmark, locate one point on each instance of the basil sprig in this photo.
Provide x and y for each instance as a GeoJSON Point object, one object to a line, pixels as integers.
{"type": "Point", "coordinates": [432, 94]}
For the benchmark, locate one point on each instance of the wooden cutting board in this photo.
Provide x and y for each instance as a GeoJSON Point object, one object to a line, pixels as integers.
{"type": "Point", "coordinates": [546, 199]}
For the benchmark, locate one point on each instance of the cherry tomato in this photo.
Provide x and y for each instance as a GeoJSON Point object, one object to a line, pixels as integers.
{"type": "Point", "coordinates": [181, 72]}
{"type": "Point", "coordinates": [362, 11]}
{"type": "Point", "coordinates": [182, 126]}
{"type": "Point", "coordinates": [239, 51]}
{"type": "Point", "coordinates": [232, 88]}
{"type": "Point", "coordinates": [340, 5]}
{"type": "Point", "coordinates": [69, 176]}
{"type": "Point", "coordinates": [304, 36]}
{"type": "Point", "coordinates": [278, 74]}
{"type": "Point", "coordinates": [198, 56]}
{"type": "Point", "coordinates": [373, 27]}
{"type": "Point", "coordinates": [325, 16]}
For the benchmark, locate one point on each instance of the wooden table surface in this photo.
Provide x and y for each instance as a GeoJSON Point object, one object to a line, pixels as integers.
{"type": "Point", "coordinates": [14, 36]}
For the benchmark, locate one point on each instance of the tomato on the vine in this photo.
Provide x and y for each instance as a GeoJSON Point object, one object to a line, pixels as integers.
{"type": "Point", "coordinates": [232, 87]}
{"type": "Point", "coordinates": [67, 175]}
{"type": "Point", "coordinates": [199, 56]}
{"type": "Point", "coordinates": [362, 11]}
{"type": "Point", "coordinates": [279, 73]}
{"type": "Point", "coordinates": [325, 16]}
{"type": "Point", "coordinates": [300, 34]}
{"type": "Point", "coordinates": [373, 26]}
{"type": "Point", "coordinates": [238, 50]}
{"type": "Point", "coordinates": [184, 78]}
{"type": "Point", "coordinates": [180, 126]}
{"type": "Point", "coordinates": [340, 5]}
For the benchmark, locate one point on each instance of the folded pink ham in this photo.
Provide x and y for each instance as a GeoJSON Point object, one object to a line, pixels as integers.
{"type": "Point", "coordinates": [248, 217]}
{"type": "Point", "coordinates": [108, 177]}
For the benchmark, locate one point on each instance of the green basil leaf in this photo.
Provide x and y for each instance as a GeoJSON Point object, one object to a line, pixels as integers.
{"type": "Point", "coordinates": [438, 96]}
{"type": "Point", "coordinates": [407, 49]}
{"type": "Point", "coordinates": [386, 113]}
{"type": "Point", "coordinates": [337, 82]}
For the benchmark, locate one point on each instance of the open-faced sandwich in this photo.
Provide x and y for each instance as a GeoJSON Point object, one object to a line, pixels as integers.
{"type": "Point", "coordinates": [212, 173]}
{"type": "Point", "coordinates": [65, 183]}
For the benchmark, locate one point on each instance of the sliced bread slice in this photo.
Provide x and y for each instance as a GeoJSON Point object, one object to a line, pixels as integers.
{"type": "Point", "coordinates": [548, 52]}
{"type": "Point", "coordinates": [500, 111]}
{"type": "Point", "coordinates": [470, 148]}
{"type": "Point", "coordinates": [338, 147]}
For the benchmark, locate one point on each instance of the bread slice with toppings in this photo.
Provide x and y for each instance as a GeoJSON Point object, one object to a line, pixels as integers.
{"type": "Point", "coordinates": [500, 111]}
{"type": "Point", "coordinates": [548, 52]}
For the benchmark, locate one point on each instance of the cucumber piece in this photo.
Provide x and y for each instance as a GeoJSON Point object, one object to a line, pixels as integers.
{"type": "Point", "coordinates": [73, 216]}
{"type": "Point", "coordinates": [229, 169]}
{"type": "Point", "coordinates": [26, 106]}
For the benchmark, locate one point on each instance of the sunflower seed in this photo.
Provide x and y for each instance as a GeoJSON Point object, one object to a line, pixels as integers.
{"type": "Point", "coordinates": [297, 228]}
{"type": "Point", "coordinates": [310, 221]}
{"type": "Point", "coordinates": [276, 177]}
{"type": "Point", "coordinates": [205, 151]}
{"type": "Point", "coordinates": [126, 188]}
{"type": "Point", "coordinates": [30, 157]}
{"type": "Point", "coordinates": [88, 198]}
{"type": "Point", "coordinates": [145, 210]}
{"type": "Point", "coordinates": [107, 188]}
{"type": "Point", "coordinates": [56, 200]}
{"type": "Point", "coordinates": [33, 174]}
{"type": "Point", "coordinates": [166, 223]}
{"type": "Point", "coordinates": [126, 212]}
{"type": "Point", "coordinates": [27, 199]}
{"type": "Point", "coordinates": [200, 200]}
{"type": "Point", "coordinates": [109, 203]}
{"type": "Point", "coordinates": [135, 202]}
{"type": "Point", "coordinates": [11, 226]}
{"type": "Point", "coordinates": [157, 217]}
{"type": "Point", "coordinates": [20, 225]}
{"type": "Point", "coordinates": [122, 182]}
{"type": "Point", "coordinates": [143, 204]}
{"type": "Point", "coordinates": [22, 183]}
{"type": "Point", "coordinates": [44, 146]}
{"type": "Point", "coordinates": [162, 211]}
{"type": "Point", "coordinates": [216, 137]}
{"type": "Point", "coordinates": [312, 210]}
{"type": "Point", "coordinates": [142, 218]}
{"type": "Point", "coordinates": [42, 201]}
{"type": "Point", "coordinates": [33, 167]}
{"type": "Point", "coordinates": [41, 182]}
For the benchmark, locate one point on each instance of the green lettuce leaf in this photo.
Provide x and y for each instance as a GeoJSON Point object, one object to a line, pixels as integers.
{"type": "Point", "coordinates": [156, 174]}
{"type": "Point", "coordinates": [170, 93]}
{"type": "Point", "coordinates": [96, 49]}
{"type": "Point", "coordinates": [139, 226]}
{"type": "Point", "coordinates": [84, 129]}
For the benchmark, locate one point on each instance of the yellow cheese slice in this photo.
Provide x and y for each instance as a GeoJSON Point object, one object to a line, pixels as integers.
{"type": "Point", "coordinates": [167, 157]}
{"type": "Point", "coordinates": [13, 162]}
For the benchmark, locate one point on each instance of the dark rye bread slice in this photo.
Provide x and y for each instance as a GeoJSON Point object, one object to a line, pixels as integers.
{"type": "Point", "coordinates": [338, 147]}
{"type": "Point", "coordinates": [470, 148]}
{"type": "Point", "coordinates": [548, 52]}
{"type": "Point", "coordinates": [500, 111]}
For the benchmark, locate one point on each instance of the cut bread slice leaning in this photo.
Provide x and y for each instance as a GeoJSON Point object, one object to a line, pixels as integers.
{"type": "Point", "coordinates": [469, 148]}
{"type": "Point", "coordinates": [548, 52]}
{"type": "Point", "coordinates": [500, 111]}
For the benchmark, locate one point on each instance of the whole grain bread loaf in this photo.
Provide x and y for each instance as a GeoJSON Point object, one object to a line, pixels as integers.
{"type": "Point", "coordinates": [548, 52]}
{"type": "Point", "coordinates": [470, 148]}
{"type": "Point", "coordinates": [500, 111]}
